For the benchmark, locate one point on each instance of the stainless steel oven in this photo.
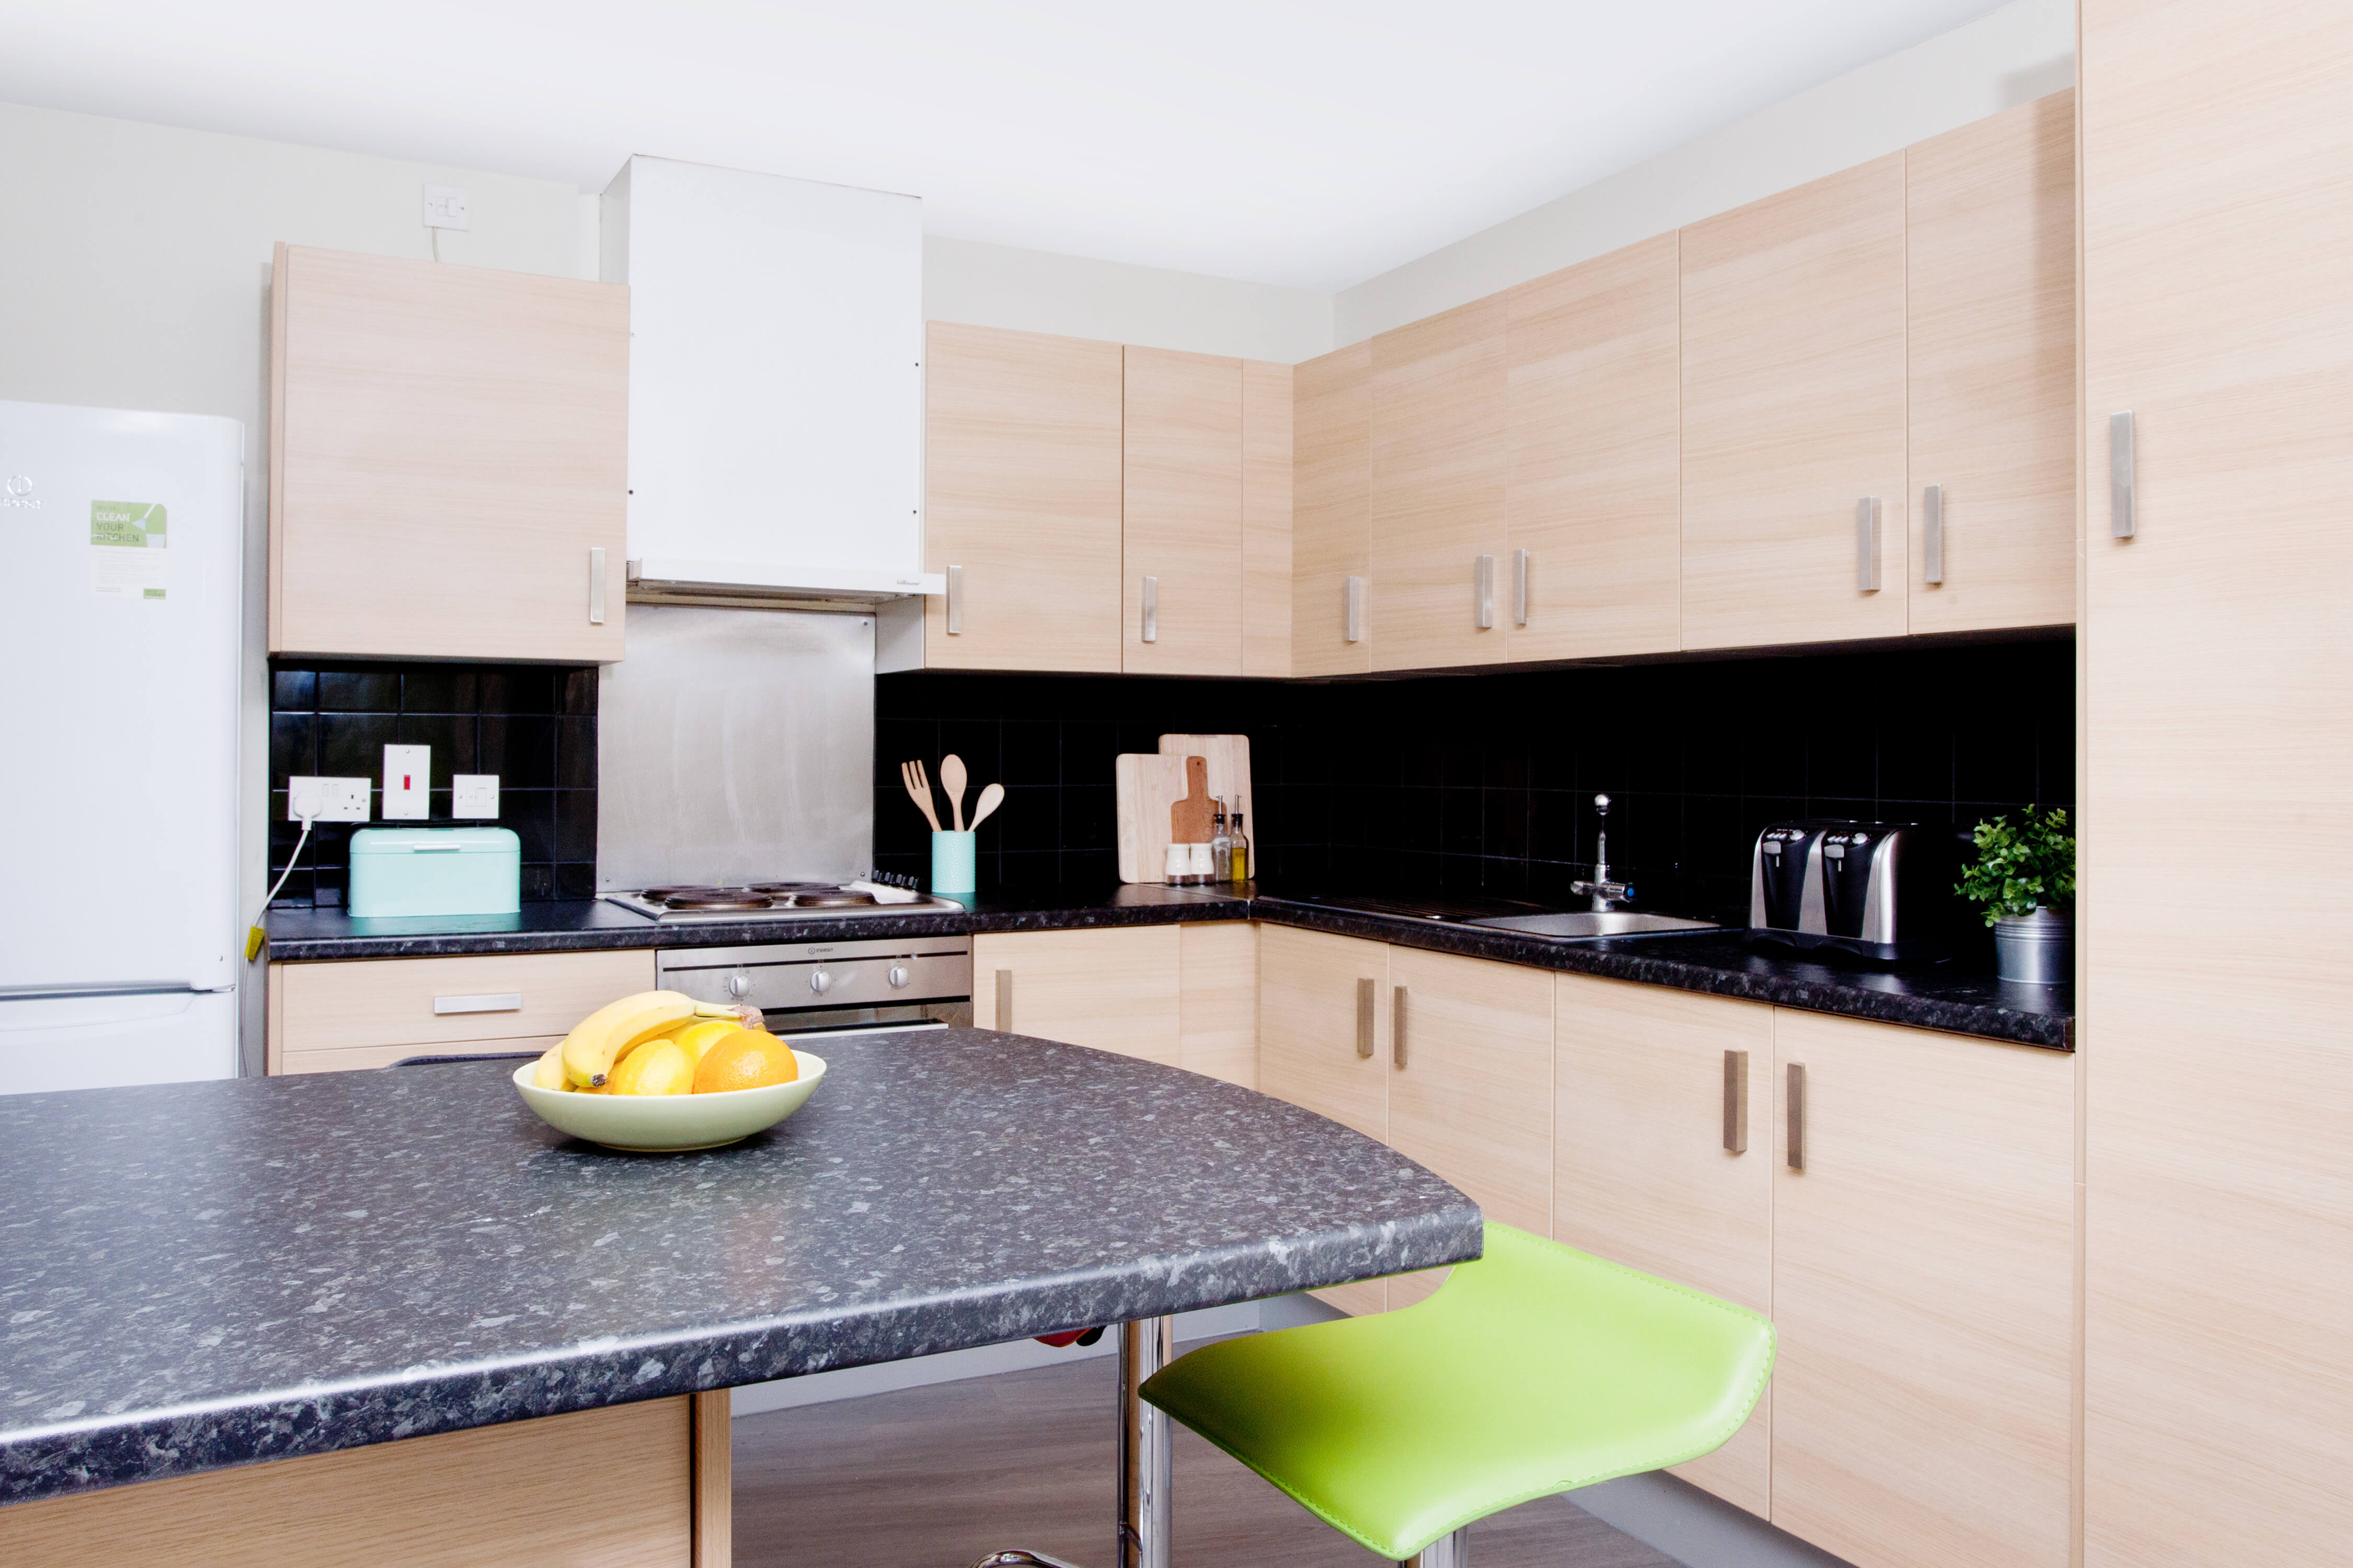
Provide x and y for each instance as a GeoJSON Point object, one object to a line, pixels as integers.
{"type": "Point", "coordinates": [832, 988]}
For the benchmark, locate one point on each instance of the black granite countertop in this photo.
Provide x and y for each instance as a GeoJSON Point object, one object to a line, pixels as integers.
{"type": "Point", "coordinates": [1960, 998]}
{"type": "Point", "coordinates": [210, 1274]}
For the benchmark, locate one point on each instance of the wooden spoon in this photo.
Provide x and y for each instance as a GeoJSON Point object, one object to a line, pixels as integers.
{"type": "Point", "coordinates": [952, 781]}
{"type": "Point", "coordinates": [990, 799]}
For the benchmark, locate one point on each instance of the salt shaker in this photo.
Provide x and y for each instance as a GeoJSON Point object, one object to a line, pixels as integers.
{"type": "Point", "coordinates": [1179, 868]}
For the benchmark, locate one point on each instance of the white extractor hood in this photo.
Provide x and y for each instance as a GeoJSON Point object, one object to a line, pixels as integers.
{"type": "Point", "coordinates": [776, 384]}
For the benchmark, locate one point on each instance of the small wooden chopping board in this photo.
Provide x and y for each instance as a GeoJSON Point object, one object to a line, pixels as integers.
{"type": "Point", "coordinates": [1229, 765]}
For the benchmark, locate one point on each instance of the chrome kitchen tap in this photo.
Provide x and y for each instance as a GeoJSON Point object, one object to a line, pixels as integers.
{"type": "Point", "coordinates": [1606, 895]}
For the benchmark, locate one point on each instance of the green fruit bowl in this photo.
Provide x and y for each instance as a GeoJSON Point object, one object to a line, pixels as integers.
{"type": "Point", "coordinates": [669, 1123]}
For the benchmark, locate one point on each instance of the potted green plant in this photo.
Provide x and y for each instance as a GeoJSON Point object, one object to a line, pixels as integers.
{"type": "Point", "coordinates": [2024, 875]}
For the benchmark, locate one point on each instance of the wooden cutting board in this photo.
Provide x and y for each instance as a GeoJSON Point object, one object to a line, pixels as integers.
{"type": "Point", "coordinates": [1149, 786]}
{"type": "Point", "coordinates": [1230, 764]}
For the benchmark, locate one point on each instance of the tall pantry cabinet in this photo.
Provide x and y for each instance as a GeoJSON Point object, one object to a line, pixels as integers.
{"type": "Point", "coordinates": [2217, 679]}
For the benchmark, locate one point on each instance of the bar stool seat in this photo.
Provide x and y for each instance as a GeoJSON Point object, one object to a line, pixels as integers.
{"type": "Point", "coordinates": [1535, 1370]}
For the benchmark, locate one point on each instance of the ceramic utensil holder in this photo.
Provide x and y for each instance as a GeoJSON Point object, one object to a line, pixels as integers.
{"type": "Point", "coordinates": [951, 862]}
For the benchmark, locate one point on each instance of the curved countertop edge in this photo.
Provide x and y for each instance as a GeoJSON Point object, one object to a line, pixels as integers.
{"type": "Point", "coordinates": [2044, 1019]}
{"type": "Point", "coordinates": [94, 1454]}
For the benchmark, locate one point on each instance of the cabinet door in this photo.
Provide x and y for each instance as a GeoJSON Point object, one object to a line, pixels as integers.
{"type": "Point", "coordinates": [1793, 388]}
{"type": "Point", "coordinates": [1596, 490]}
{"type": "Point", "coordinates": [1266, 518]}
{"type": "Point", "coordinates": [369, 1013]}
{"type": "Point", "coordinates": [1647, 1114]}
{"type": "Point", "coordinates": [1990, 253]}
{"type": "Point", "coordinates": [1323, 1042]}
{"type": "Point", "coordinates": [1924, 1291]}
{"type": "Point", "coordinates": [2217, 667]}
{"type": "Point", "coordinates": [447, 447]}
{"type": "Point", "coordinates": [1217, 1001]}
{"type": "Point", "coordinates": [1183, 515]}
{"type": "Point", "coordinates": [1115, 989]}
{"type": "Point", "coordinates": [1439, 457]}
{"type": "Point", "coordinates": [1331, 500]}
{"type": "Point", "coordinates": [1021, 476]}
{"type": "Point", "coordinates": [1471, 1086]}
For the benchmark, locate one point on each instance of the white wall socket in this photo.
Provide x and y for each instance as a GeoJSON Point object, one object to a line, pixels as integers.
{"type": "Point", "coordinates": [327, 800]}
{"type": "Point", "coordinates": [444, 207]}
{"type": "Point", "coordinates": [408, 773]}
{"type": "Point", "coordinates": [473, 795]}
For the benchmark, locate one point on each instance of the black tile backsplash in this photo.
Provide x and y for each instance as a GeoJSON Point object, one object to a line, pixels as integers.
{"type": "Point", "coordinates": [1486, 781]}
{"type": "Point", "coordinates": [533, 725]}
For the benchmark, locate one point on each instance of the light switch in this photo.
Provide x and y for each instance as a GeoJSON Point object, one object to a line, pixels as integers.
{"type": "Point", "coordinates": [408, 773]}
{"type": "Point", "coordinates": [444, 207]}
{"type": "Point", "coordinates": [474, 794]}
{"type": "Point", "coordinates": [327, 800]}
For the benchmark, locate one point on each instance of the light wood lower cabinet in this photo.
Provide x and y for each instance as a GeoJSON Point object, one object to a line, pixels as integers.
{"type": "Point", "coordinates": [1217, 1001]}
{"type": "Point", "coordinates": [1115, 988]}
{"type": "Point", "coordinates": [1924, 1276]}
{"type": "Point", "coordinates": [370, 1012]}
{"type": "Point", "coordinates": [508, 1494]}
{"type": "Point", "coordinates": [1663, 1161]}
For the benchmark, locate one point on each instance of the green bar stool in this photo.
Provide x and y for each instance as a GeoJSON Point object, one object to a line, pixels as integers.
{"type": "Point", "coordinates": [1535, 1370]}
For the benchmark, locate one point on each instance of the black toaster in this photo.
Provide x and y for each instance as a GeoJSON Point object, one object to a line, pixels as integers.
{"type": "Point", "coordinates": [1878, 890]}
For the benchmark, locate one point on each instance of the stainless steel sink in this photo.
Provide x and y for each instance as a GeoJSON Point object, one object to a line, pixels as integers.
{"type": "Point", "coordinates": [1589, 923]}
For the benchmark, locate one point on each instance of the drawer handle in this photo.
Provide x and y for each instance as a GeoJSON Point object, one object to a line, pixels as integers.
{"type": "Point", "coordinates": [1736, 1102]}
{"type": "Point", "coordinates": [2124, 518]}
{"type": "Point", "coordinates": [1352, 608]}
{"type": "Point", "coordinates": [1004, 1001]}
{"type": "Point", "coordinates": [1520, 563]}
{"type": "Point", "coordinates": [1396, 1026]}
{"type": "Point", "coordinates": [1797, 1114]}
{"type": "Point", "coordinates": [1366, 991]}
{"type": "Point", "coordinates": [1867, 545]}
{"type": "Point", "coordinates": [489, 1002]}
{"type": "Point", "coordinates": [956, 600]}
{"type": "Point", "coordinates": [1483, 591]}
{"type": "Point", "coordinates": [1152, 609]}
{"type": "Point", "coordinates": [1932, 535]}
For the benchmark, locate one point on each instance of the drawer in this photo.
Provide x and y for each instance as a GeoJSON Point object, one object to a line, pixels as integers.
{"type": "Point", "coordinates": [437, 1003]}
{"type": "Point", "coordinates": [350, 1059]}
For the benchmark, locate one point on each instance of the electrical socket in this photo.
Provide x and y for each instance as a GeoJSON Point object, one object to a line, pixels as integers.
{"type": "Point", "coordinates": [327, 800]}
{"type": "Point", "coordinates": [444, 207]}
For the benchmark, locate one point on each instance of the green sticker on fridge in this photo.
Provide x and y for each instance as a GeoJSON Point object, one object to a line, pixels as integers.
{"type": "Point", "coordinates": [126, 549]}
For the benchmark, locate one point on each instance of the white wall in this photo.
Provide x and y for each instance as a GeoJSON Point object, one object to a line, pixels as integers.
{"type": "Point", "coordinates": [2018, 53]}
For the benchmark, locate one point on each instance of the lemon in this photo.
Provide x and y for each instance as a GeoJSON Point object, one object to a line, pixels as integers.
{"type": "Point", "coordinates": [657, 1066]}
{"type": "Point", "coordinates": [705, 1033]}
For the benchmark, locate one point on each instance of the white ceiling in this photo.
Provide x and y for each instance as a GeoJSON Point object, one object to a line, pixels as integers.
{"type": "Point", "coordinates": [1308, 143]}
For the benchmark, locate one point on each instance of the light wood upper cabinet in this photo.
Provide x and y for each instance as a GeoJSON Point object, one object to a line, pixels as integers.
{"type": "Point", "coordinates": [449, 445]}
{"type": "Point", "coordinates": [1182, 535]}
{"type": "Point", "coordinates": [1115, 988]}
{"type": "Point", "coordinates": [1441, 453]}
{"type": "Point", "coordinates": [1022, 480]}
{"type": "Point", "coordinates": [1470, 1072]}
{"type": "Point", "coordinates": [1643, 1174]}
{"type": "Point", "coordinates": [1330, 516]}
{"type": "Point", "coordinates": [2217, 671]}
{"type": "Point", "coordinates": [1595, 495]}
{"type": "Point", "coordinates": [1924, 1294]}
{"type": "Point", "coordinates": [1266, 518]}
{"type": "Point", "coordinates": [1990, 233]}
{"type": "Point", "coordinates": [1793, 399]}
{"type": "Point", "coordinates": [1322, 1043]}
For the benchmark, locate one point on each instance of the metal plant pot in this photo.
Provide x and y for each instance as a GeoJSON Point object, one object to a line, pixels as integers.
{"type": "Point", "coordinates": [2035, 949]}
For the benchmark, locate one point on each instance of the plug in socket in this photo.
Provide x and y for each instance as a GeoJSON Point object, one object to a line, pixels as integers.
{"type": "Point", "coordinates": [327, 800]}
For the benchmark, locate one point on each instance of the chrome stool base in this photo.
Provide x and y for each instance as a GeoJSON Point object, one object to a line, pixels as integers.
{"type": "Point", "coordinates": [1447, 1551]}
{"type": "Point", "coordinates": [1145, 1346]}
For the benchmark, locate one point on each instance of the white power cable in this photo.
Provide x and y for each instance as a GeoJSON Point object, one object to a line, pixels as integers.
{"type": "Point", "coordinates": [257, 935]}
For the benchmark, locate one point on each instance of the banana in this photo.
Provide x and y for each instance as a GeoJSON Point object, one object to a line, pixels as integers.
{"type": "Point", "coordinates": [598, 1040]}
{"type": "Point", "coordinates": [548, 1072]}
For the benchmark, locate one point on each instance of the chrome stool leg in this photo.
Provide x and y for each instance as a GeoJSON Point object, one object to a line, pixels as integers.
{"type": "Point", "coordinates": [1146, 1445]}
{"type": "Point", "coordinates": [1447, 1551]}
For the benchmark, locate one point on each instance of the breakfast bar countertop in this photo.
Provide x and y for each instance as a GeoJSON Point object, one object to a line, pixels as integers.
{"type": "Point", "coordinates": [211, 1274]}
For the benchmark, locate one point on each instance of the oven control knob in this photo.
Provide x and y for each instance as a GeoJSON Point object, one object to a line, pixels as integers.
{"type": "Point", "coordinates": [898, 977]}
{"type": "Point", "coordinates": [820, 981]}
{"type": "Point", "coordinates": [739, 986]}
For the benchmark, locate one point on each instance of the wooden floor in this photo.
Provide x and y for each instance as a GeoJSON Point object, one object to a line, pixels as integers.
{"type": "Point", "coordinates": [935, 1477]}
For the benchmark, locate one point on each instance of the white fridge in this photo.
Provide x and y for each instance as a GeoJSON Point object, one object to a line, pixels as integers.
{"type": "Point", "coordinates": [121, 542]}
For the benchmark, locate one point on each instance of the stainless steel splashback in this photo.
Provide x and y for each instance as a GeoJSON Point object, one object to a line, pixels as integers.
{"type": "Point", "coordinates": [736, 745]}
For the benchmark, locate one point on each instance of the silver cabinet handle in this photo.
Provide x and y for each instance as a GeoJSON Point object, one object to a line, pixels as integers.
{"type": "Point", "coordinates": [1004, 1001]}
{"type": "Point", "coordinates": [1351, 606]}
{"type": "Point", "coordinates": [1736, 1102]}
{"type": "Point", "coordinates": [1483, 591]}
{"type": "Point", "coordinates": [2124, 521]}
{"type": "Point", "coordinates": [1796, 1110]}
{"type": "Point", "coordinates": [1367, 990]}
{"type": "Point", "coordinates": [1152, 609]}
{"type": "Point", "coordinates": [1932, 535]}
{"type": "Point", "coordinates": [956, 600]}
{"type": "Point", "coordinates": [499, 1002]}
{"type": "Point", "coordinates": [1520, 559]}
{"type": "Point", "coordinates": [596, 586]}
{"type": "Point", "coordinates": [1396, 1025]}
{"type": "Point", "coordinates": [1867, 545]}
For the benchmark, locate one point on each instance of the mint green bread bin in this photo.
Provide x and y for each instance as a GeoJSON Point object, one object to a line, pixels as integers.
{"type": "Point", "coordinates": [436, 871]}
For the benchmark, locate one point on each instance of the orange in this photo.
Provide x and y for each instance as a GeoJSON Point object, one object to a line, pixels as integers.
{"type": "Point", "coordinates": [751, 1058]}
